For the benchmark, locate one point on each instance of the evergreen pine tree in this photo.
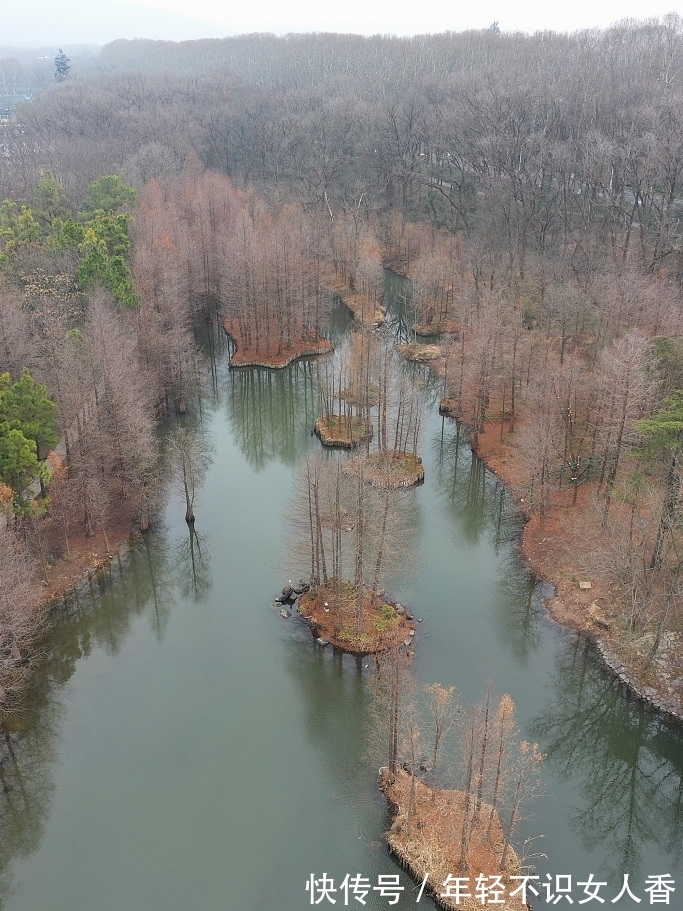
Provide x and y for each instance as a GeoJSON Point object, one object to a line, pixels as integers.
{"type": "Point", "coordinates": [62, 66]}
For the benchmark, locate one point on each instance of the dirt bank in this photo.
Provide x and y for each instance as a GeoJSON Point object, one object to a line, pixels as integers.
{"type": "Point", "coordinates": [275, 356]}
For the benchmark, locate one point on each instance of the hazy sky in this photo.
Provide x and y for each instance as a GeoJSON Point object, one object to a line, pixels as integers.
{"type": "Point", "coordinates": [407, 18]}
{"type": "Point", "coordinates": [36, 22]}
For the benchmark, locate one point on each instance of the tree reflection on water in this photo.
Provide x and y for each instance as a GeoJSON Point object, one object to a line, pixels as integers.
{"type": "Point", "coordinates": [99, 614]}
{"type": "Point", "coordinates": [623, 760]}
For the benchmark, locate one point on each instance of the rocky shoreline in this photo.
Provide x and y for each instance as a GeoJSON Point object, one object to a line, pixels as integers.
{"type": "Point", "coordinates": [668, 709]}
{"type": "Point", "coordinates": [396, 627]}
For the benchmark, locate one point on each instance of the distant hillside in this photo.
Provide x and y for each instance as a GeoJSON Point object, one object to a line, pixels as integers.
{"type": "Point", "coordinates": [71, 22]}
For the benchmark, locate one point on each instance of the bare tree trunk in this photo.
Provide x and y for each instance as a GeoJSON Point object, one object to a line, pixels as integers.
{"type": "Point", "coordinates": [380, 546]}
{"type": "Point", "coordinates": [482, 760]}
{"type": "Point", "coordinates": [360, 541]}
{"type": "Point", "coordinates": [467, 794]}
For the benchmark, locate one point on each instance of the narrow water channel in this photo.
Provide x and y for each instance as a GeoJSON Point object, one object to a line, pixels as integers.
{"type": "Point", "coordinates": [186, 747]}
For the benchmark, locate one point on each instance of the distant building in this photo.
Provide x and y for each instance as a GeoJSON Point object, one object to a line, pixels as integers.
{"type": "Point", "coordinates": [4, 116]}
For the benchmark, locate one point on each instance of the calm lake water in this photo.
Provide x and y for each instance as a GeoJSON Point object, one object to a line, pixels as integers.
{"type": "Point", "coordinates": [187, 748]}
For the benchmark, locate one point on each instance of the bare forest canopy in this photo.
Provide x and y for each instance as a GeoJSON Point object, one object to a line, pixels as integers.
{"type": "Point", "coordinates": [544, 140]}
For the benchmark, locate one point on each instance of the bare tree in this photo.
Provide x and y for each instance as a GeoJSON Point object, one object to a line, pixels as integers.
{"type": "Point", "coordinates": [628, 385]}
{"type": "Point", "coordinates": [441, 715]}
{"type": "Point", "coordinates": [63, 507]}
{"type": "Point", "coordinates": [22, 620]}
{"type": "Point", "coordinates": [125, 400]}
{"type": "Point", "coordinates": [190, 460]}
{"type": "Point", "coordinates": [526, 784]}
{"type": "Point", "coordinates": [505, 723]}
{"type": "Point", "coordinates": [393, 691]}
{"type": "Point", "coordinates": [540, 443]}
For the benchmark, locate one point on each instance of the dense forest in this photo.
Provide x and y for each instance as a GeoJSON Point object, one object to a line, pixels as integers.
{"type": "Point", "coordinates": [529, 186]}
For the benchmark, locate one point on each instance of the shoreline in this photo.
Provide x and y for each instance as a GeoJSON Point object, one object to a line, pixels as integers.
{"type": "Point", "coordinates": [86, 582]}
{"type": "Point", "coordinates": [327, 438]}
{"type": "Point", "coordinates": [381, 472]}
{"type": "Point", "coordinates": [398, 630]}
{"type": "Point", "coordinates": [570, 616]}
{"type": "Point", "coordinates": [427, 854]}
{"type": "Point", "coordinates": [78, 574]}
{"type": "Point", "coordinates": [578, 615]}
{"type": "Point", "coordinates": [366, 312]}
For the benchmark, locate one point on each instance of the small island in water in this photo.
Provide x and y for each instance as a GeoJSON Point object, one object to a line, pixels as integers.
{"type": "Point", "coordinates": [356, 621]}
